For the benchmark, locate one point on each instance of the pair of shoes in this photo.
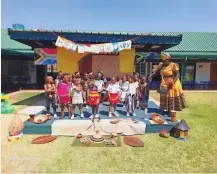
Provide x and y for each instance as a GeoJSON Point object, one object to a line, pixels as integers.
{"type": "Point", "coordinates": [115, 114]}
{"type": "Point", "coordinates": [128, 114]}
{"type": "Point", "coordinates": [96, 116]}
{"type": "Point", "coordinates": [73, 116]}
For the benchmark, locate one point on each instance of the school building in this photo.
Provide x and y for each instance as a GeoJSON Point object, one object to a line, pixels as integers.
{"type": "Point", "coordinates": [195, 52]}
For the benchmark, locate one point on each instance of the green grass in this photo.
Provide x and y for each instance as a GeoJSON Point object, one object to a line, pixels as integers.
{"type": "Point", "coordinates": [198, 155]}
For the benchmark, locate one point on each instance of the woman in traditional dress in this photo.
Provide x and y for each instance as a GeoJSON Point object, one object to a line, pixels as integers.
{"type": "Point", "coordinates": [171, 93]}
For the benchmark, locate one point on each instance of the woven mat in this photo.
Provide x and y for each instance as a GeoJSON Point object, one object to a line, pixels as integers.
{"type": "Point", "coordinates": [77, 143]}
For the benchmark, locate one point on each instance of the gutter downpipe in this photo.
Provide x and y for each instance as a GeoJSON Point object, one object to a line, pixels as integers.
{"type": "Point", "coordinates": [182, 67]}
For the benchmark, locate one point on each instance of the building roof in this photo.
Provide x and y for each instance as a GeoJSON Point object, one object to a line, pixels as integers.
{"type": "Point", "coordinates": [192, 44]}
{"type": "Point", "coordinates": [196, 42]}
{"type": "Point", "coordinates": [182, 125]}
{"type": "Point", "coordinates": [8, 44]}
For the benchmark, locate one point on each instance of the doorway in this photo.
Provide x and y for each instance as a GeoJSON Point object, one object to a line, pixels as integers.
{"type": "Point", "coordinates": [40, 74]}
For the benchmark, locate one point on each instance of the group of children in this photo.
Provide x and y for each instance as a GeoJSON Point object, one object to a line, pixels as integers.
{"type": "Point", "coordinates": [89, 90]}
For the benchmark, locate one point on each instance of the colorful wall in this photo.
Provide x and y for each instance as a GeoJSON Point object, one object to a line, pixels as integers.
{"type": "Point", "coordinates": [111, 65]}
{"type": "Point", "coordinates": [68, 61]}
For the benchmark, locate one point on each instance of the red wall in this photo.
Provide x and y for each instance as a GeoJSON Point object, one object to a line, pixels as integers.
{"type": "Point", "coordinates": [86, 65]}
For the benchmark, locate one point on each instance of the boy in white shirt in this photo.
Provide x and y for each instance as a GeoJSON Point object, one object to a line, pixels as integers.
{"type": "Point", "coordinates": [132, 97]}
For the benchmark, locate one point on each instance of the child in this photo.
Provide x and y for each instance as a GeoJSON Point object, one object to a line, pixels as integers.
{"type": "Point", "coordinates": [99, 84]}
{"type": "Point", "coordinates": [58, 79]}
{"type": "Point", "coordinates": [63, 92]}
{"type": "Point", "coordinates": [50, 89]}
{"type": "Point", "coordinates": [113, 94]}
{"type": "Point", "coordinates": [124, 88]}
{"type": "Point", "coordinates": [93, 99]}
{"type": "Point", "coordinates": [144, 94]}
{"type": "Point", "coordinates": [77, 98]}
{"type": "Point", "coordinates": [84, 83]}
{"type": "Point", "coordinates": [131, 97]}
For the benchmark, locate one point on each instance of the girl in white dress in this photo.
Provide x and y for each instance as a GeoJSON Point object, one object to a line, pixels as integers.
{"type": "Point", "coordinates": [77, 97]}
{"type": "Point", "coordinates": [124, 85]}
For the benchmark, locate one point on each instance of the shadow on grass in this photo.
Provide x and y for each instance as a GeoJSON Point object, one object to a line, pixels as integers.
{"type": "Point", "coordinates": [31, 100]}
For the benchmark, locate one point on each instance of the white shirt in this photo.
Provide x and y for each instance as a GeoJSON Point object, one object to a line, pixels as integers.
{"type": "Point", "coordinates": [99, 84]}
{"type": "Point", "coordinates": [113, 88]}
{"type": "Point", "coordinates": [125, 86]}
{"type": "Point", "coordinates": [75, 93]}
{"type": "Point", "coordinates": [132, 88]}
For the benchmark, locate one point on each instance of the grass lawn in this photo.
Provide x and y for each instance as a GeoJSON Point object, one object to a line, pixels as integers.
{"type": "Point", "coordinates": [199, 154]}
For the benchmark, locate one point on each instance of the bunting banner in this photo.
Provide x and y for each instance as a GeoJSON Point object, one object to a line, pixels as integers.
{"type": "Point", "coordinates": [93, 48]}
{"type": "Point", "coordinates": [65, 43]}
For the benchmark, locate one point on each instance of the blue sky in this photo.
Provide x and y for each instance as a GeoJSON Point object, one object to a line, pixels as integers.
{"type": "Point", "coordinates": [112, 15]}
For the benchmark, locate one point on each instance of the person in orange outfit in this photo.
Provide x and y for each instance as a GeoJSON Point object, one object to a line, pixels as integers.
{"type": "Point", "coordinates": [171, 94]}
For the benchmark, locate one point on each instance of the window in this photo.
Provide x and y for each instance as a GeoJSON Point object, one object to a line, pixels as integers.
{"type": "Point", "coordinates": [189, 73]}
{"type": "Point", "coordinates": [143, 68]}
{"type": "Point", "coordinates": [137, 69]}
{"type": "Point", "coordinates": [52, 68]}
{"type": "Point", "coordinates": [19, 68]}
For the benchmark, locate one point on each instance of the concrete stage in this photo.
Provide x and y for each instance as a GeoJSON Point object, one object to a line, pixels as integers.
{"type": "Point", "coordinates": [79, 125]}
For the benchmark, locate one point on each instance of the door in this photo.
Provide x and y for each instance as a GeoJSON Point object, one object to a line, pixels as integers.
{"type": "Point", "coordinates": [213, 73]}
{"type": "Point", "coordinates": [40, 69]}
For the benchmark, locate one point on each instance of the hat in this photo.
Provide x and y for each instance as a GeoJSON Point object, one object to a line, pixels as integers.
{"type": "Point", "coordinates": [165, 56]}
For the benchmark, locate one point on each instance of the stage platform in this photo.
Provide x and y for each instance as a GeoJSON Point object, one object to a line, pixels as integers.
{"type": "Point", "coordinates": [65, 126]}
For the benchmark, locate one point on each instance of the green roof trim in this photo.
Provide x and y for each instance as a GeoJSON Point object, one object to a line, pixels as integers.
{"type": "Point", "coordinates": [193, 55]}
{"type": "Point", "coordinates": [8, 43]}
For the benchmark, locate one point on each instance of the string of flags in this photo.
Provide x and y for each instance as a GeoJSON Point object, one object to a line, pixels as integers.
{"type": "Point", "coordinates": [93, 48]}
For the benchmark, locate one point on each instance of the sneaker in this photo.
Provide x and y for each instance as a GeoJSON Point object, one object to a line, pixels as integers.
{"type": "Point", "coordinates": [72, 117]}
{"type": "Point", "coordinates": [116, 114]}
{"type": "Point", "coordinates": [97, 116]}
{"type": "Point", "coordinates": [91, 116]}
{"type": "Point", "coordinates": [134, 114]}
{"type": "Point", "coordinates": [110, 114]}
{"type": "Point", "coordinates": [128, 115]}
{"type": "Point", "coordinates": [55, 115]}
{"type": "Point", "coordinates": [82, 115]}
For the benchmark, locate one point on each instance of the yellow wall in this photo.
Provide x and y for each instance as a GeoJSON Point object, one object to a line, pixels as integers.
{"type": "Point", "coordinates": [67, 61]}
{"type": "Point", "coordinates": [126, 58]}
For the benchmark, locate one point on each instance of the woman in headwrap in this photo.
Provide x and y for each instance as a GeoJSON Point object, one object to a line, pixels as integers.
{"type": "Point", "coordinates": [171, 93]}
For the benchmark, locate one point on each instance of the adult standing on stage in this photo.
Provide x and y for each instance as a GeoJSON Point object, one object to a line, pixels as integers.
{"type": "Point", "coordinates": [171, 93]}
